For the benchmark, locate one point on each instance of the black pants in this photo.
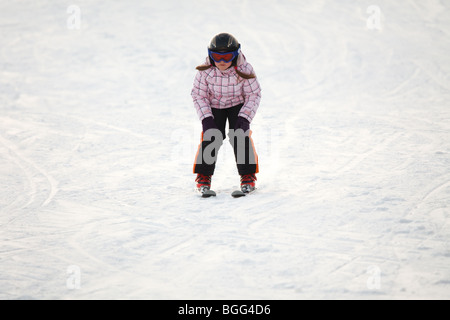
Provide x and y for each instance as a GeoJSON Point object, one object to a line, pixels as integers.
{"type": "Point", "coordinates": [242, 143]}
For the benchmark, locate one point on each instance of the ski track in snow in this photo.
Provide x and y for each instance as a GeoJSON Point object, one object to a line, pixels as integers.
{"type": "Point", "coordinates": [98, 134]}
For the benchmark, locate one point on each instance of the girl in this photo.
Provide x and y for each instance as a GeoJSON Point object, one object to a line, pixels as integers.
{"type": "Point", "coordinates": [226, 88]}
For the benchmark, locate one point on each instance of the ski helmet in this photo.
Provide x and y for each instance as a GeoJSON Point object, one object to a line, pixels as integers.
{"type": "Point", "coordinates": [224, 42]}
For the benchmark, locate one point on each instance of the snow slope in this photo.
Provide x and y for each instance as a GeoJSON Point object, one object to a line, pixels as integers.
{"type": "Point", "coordinates": [98, 133]}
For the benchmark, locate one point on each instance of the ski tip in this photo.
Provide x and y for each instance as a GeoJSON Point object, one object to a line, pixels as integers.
{"type": "Point", "coordinates": [238, 194]}
{"type": "Point", "coordinates": [208, 193]}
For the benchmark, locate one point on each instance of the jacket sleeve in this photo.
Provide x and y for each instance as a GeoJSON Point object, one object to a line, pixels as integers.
{"type": "Point", "coordinates": [199, 94]}
{"type": "Point", "coordinates": [252, 95]}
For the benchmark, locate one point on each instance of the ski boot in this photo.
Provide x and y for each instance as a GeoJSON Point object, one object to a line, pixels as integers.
{"type": "Point", "coordinates": [204, 185]}
{"type": "Point", "coordinates": [248, 183]}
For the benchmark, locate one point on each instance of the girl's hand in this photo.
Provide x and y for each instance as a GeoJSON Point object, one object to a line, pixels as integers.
{"type": "Point", "coordinates": [208, 123]}
{"type": "Point", "coordinates": [242, 123]}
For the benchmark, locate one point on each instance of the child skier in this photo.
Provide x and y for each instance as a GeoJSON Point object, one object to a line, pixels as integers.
{"type": "Point", "coordinates": [226, 88]}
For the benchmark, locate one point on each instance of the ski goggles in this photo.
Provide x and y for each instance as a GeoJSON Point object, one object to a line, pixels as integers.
{"type": "Point", "coordinates": [223, 56]}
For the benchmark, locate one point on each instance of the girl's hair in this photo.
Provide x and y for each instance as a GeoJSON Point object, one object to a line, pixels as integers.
{"type": "Point", "coordinates": [243, 75]}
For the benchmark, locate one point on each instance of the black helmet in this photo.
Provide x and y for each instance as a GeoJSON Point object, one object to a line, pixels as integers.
{"type": "Point", "coordinates": [224, 42]}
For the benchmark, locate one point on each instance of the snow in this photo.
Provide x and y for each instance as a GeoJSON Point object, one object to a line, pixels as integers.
{"type": "Point", "coordinates": [98, 135]}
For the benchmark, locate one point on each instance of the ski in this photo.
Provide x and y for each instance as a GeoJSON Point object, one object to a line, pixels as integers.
{"type": "Point", "coordinates": [242, 193]}
{"type": "Point", "coordinates": [206, 192]}
{"type": "Point", "coordinates": [238, 194]}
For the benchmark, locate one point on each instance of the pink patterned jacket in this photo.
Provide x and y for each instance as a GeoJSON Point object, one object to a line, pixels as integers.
{"type": "Point", "coordinates": [224, 89]}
